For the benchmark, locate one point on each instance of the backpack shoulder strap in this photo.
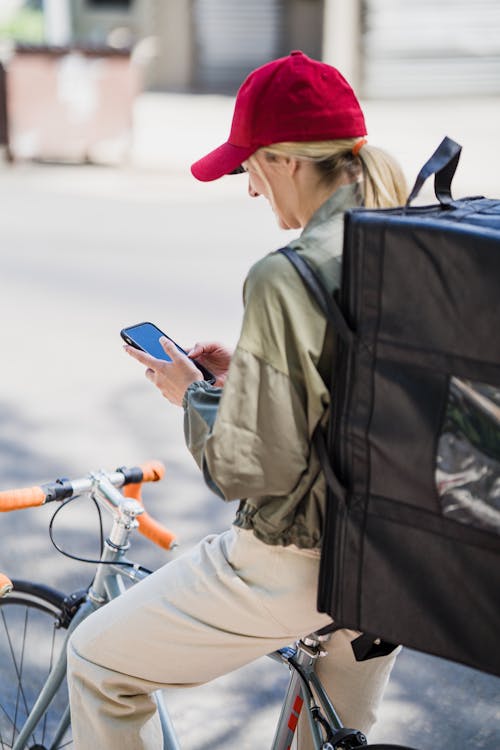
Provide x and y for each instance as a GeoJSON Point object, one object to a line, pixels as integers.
{"type": "Point", "coordinates": [333, 314]}
{"type": "Point", "coordinates": [327, 303]}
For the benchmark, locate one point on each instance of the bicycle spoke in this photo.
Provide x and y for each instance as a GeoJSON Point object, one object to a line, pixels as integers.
{"type": "Point", "coordinates": [69, 742]}
{"type": "Point", "coordinates": [20, 691]}
{"type": "Point", "coordinates": [8, 717]}
{"type": "Point", "coordinates": [19, 671]}
{"type": "Point", "coordinates": [16, 668]}
{"type": "Point", "coordinates": [20, 676]}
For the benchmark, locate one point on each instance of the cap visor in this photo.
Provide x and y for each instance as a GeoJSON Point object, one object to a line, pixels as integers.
{"type": "Point", "coordinates": [221, 161]}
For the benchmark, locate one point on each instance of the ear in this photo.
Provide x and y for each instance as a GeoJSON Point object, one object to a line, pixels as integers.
{"type": "Point", "coordinates": [288, 164]}
{"type": "Point", "coordinates": [291, 164]}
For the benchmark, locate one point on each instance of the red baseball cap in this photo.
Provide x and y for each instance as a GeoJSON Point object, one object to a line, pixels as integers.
{"type": "Point", "coordinates": [293, 98]}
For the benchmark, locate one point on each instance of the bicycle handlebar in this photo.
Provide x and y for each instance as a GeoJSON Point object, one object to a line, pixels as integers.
{"type": "Point", "coordinates": [152, 471]}
{"type": "Point", "coordinates": [61, 489]}
{"type": "Point", "coordinates": [5, 584]}
{"type": "Point", "coordinates": [148, 526]}
{"type": "Point", "coordinates": [28, 497]}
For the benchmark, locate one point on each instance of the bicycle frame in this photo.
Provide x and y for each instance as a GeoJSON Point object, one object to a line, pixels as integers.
{"type": "Point", "coordinates": [304, 687]}
{"type": "Point", "coordinates": [299, 696]}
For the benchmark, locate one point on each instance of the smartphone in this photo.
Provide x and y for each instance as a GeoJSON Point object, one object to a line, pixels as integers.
{"type": "Point", "coordinates": [146, 336]}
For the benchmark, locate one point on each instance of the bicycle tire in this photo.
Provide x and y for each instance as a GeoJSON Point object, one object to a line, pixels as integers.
{"type": "Point", "coordinates": [32, 622]}
{"type": "Point", "coordinates": [385, 746]}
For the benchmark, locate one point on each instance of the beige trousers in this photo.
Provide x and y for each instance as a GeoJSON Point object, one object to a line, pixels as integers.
{"type": "Point", "coordinates": [230, 600]}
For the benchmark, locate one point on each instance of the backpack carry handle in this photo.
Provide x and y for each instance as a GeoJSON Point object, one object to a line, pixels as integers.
{"type": "Point", "coordinates": [443, 164]}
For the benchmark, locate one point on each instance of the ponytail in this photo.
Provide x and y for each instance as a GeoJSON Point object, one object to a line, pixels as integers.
{"type": "Point", "coordinates": [383, 183]}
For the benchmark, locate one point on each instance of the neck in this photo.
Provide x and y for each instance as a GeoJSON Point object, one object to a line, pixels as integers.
{"type": "Point", "coordinates": [313, 193]}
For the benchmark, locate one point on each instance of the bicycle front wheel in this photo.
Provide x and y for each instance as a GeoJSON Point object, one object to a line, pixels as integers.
{"type": "Point", "coordinates": [33, 619]}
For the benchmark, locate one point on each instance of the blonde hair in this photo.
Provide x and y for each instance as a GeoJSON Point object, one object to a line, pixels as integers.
{"type": "Point", "coordinates": [380, 177]}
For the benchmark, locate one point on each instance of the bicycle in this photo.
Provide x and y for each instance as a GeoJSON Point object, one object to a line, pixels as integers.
{"type": "Point", "coordinates": [34, 710]}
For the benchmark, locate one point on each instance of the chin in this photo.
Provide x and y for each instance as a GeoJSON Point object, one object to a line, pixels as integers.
{"type": "Point", "coordinates": [287, 225]}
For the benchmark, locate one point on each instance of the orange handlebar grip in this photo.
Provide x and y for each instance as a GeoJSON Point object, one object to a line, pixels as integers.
{"type": "Point", "coordinates": [150, 528]}
{"type": "Point", "coordinates": [28, 497]}
{"type": "Point", "coordinates": [155, 531]}
{"type": "Point", "coordinates": [5, 585]}
{"type": "Point", "coordinates": [152, 471]}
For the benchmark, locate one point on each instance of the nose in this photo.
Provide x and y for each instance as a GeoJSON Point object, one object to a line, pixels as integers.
{"type": "Point", "coordinates": [252, 192]}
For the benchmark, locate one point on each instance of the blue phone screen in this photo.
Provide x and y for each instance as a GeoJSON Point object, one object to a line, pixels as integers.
{"type": "Point", "coordinates": [147, 336]}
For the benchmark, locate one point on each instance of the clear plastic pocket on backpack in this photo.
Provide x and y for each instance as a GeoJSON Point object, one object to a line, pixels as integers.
{"type": "Point", "coordinates": [468, 455]}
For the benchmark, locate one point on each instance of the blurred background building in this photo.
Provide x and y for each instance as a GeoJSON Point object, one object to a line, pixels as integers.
{"type": "Point", "coordinates": [387, 48]}
{"type": "Point", "coordinates": [72, 69]}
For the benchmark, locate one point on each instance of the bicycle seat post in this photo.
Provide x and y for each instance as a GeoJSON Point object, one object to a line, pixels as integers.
{"type": "Point", "coordinates": [309, 649]}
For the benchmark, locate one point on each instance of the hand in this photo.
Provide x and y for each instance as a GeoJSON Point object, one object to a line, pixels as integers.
{"type": "Point", "coordinates": [171, 378]}
{"type": "Point", "coordinates": [214, 357]}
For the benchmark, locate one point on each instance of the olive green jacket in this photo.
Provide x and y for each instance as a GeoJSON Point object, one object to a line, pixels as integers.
{"type": "Point", "coordinates": [252, 439]}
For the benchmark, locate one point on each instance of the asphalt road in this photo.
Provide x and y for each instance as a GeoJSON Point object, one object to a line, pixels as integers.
{"type": "Point", "coordinates": [85, 251]}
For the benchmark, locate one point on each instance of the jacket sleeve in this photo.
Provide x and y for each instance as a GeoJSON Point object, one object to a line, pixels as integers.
{"type": "Point", "coordinates": [252, 438]}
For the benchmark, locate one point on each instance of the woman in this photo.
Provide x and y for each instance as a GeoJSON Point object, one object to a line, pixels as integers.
{"type": "Point", "coordinates": [298, 131]}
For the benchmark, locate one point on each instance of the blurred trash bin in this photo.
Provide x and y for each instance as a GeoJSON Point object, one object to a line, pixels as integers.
{"type": "Point", "coordinates": [71, 104]}
{"type": "Point", "coordinates": [4, 131]}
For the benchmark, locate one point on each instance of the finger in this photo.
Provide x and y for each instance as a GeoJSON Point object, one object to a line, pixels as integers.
{"type": "Point", "coordinates": [198, 350]}
{"type": "Point", "coordinates": [150, 374]}
{"type": "Point", "coordinates": [195, 350]}
{"type": "Point", "coordinates": [170, 349]}
{"type": "Point", "coordinates": [140, 356]}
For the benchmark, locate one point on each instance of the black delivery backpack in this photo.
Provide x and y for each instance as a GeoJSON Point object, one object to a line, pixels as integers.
{"type": "Point", "coordinates": [411, 549]}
